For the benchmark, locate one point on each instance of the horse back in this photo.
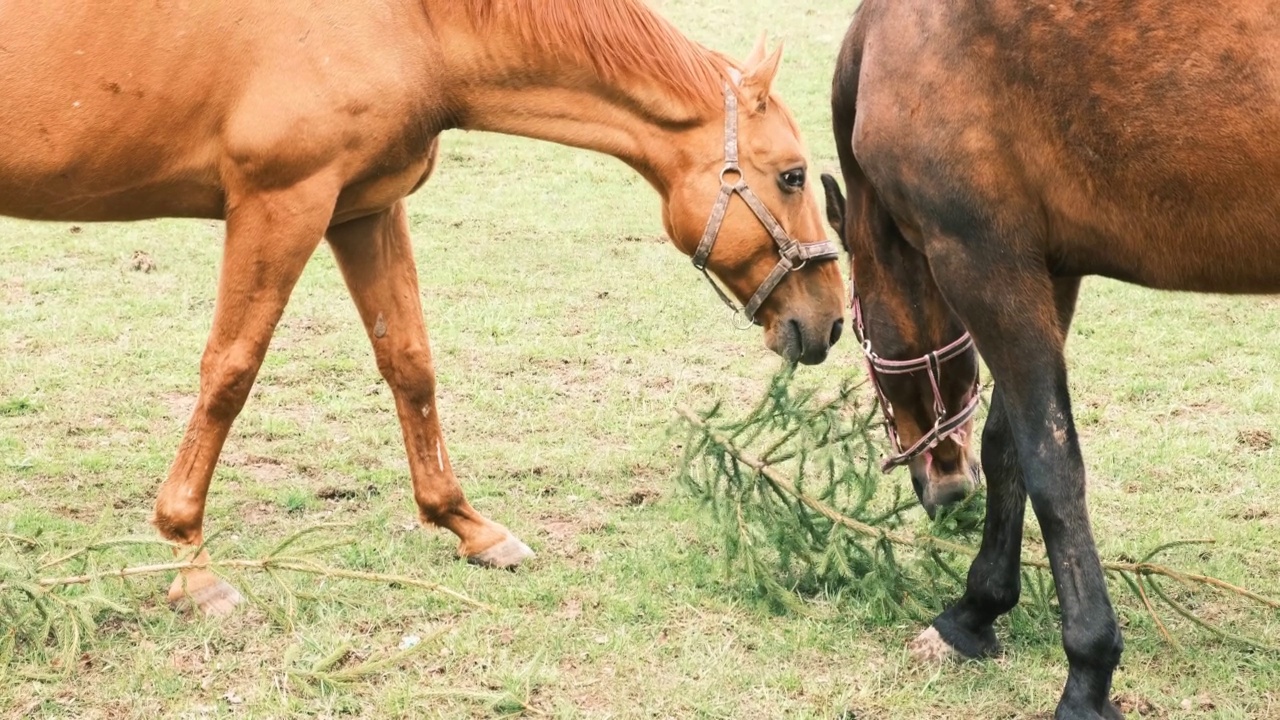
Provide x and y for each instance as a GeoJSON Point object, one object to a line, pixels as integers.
{"type": "Point", "coordinates": [122, 110]}
{"type": "Point", "coordinates": [1138, 139]}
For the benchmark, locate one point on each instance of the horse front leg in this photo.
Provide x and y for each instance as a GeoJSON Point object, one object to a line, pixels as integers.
{"type": "Point", "coordinates": [376, 259]}
{"type": "Point", "coordinates": [1016, 328]}
{"type": "Point", "coordinates": [995, 579]}
{"type": "Point", "coordinates": [270, 236]}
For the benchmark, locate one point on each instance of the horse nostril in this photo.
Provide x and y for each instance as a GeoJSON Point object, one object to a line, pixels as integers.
{"type": "Point", "coordinates": [837, 328]}
{"type": "Point", "coordinates": [792, 341]}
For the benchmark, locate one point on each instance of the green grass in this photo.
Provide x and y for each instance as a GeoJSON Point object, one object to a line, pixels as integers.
{"type": "Point", "coordinates": [565, 334]}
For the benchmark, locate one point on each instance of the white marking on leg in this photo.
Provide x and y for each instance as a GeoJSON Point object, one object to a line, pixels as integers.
{"type": "Point", "coordinates": [440, 455]}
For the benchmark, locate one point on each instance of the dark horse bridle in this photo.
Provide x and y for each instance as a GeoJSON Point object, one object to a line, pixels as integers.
{"type": "Point", "coordinates": [795, 255]}
{"type": "Point", "coordinates": [944, 425]}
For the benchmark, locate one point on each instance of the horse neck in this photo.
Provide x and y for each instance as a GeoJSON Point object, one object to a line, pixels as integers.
{"type": "Point", "coordinates": [500, 83]}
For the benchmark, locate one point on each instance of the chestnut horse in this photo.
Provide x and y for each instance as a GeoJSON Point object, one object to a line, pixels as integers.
{"type": "Point", "coordinates": [997, 151]}
{"type": "Point", "coordinates": [299, 121]}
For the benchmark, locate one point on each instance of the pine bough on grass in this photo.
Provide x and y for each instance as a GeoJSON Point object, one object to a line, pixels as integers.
{"type": "Point", "coordinates": [47, 620]}
{"type": "Point", "coordinates": [793, 490]}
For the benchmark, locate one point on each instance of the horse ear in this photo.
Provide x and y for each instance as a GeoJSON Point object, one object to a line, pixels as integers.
{"type": "Point", "coordinates": [757, 80]}
{"type": "Point", "coordinates": [835, 206]}
{"type": "Point", "coordinates": [757, 52]}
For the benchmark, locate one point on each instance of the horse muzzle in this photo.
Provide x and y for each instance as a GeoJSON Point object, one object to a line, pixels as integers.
{"type": "Point", "coordinates": [804, 342]}
{"type": "Point", "coordinates": [941, 485]}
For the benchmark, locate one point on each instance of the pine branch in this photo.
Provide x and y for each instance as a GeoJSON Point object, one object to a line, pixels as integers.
{"type": "Point", "coordinates": [814, 530]}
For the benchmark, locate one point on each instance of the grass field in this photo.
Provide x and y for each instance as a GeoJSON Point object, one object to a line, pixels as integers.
{"type": "Point", "coordinates": [565, 333]}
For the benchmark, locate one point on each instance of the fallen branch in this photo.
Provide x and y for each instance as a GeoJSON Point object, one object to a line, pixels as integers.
{"type": "Point", "coordinates": [46, 622]}
{"type": "Point", "coordinates": [767, 510]}
{"type": "Point", "coordinates": [323, 671]}
{"type": "Point", "coordinates": [291, 564]}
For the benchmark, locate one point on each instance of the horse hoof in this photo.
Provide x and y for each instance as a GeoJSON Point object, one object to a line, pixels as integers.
{"type": "Point", "coordinates": [213, 599]}
{"type": "Point", "coordinates": [929, 647]}
{"type": "Point", "coordinates": [1109, 712]}
{"type": "Point", "coordinates": [506, 555]}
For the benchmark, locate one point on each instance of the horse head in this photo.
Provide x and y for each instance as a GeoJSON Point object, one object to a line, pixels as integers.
{"type": "Point", "coordinates": [767, 246]}
{"type": "Point", "coordinates": [919, 356]}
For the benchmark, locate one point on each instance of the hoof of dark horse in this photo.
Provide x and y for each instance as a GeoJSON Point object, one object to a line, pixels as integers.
{"type": "Point", "coordinates": [506, 555]}
{"type": "Point", "coordinates": [1110, 712]}
{"type": "Point", "coordinates": [947, 638]}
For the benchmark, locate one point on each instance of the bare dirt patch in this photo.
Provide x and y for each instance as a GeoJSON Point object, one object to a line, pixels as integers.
{"type": "Point", "coordinates": [13, 291]}
{"type": "Point", "coordinates": [142, 262]}
{"type": "Point", "coordinates": [331, 492]}
{"type": "Point", "coordinates": [178, 405]}
{"type": "Point", "coordinates": [1255, 439]}
{"type": "Point", "coordinates": [559, 535]}
{"type": "Point", "coordinates": [1130, 703]}
{"type": "Point", "coordinates": [641, 496]}
{"type": "Point", "coordinates": [260, 468]}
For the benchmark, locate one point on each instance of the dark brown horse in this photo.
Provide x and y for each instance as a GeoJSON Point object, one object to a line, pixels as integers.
{"type": "Point", "coordinates": [995, 152]}
{"type": "Point", "coordinates": [302, 120]}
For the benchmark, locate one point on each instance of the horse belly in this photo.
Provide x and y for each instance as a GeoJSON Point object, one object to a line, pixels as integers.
{"type": "Point", "coordinates": [66, 192]}
{"type": "Point", "coordinates": [1153, 130]}
{"type": "Point", "coordinates": [1221, 253]}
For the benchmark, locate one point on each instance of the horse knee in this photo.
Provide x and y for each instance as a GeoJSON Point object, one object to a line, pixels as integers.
{"type": "Point", "coordinates": [225, 382]}
{"type": "Point", "coordinates": [993, 587]}
{"type": "Point", "coordinates": [438, 507]}
{"type": "Point", "coordinates": [178, 518]}
{"type": "Point", "coordinates": [1002, 594]}
{"type": "Point", "coordinates": [1096, 642]}
{"type": "Point", "coordinates": [410, 373]}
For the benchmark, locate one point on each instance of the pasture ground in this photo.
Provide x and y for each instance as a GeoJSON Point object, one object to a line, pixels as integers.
{"type": "Point", "coordinates": [565, 333]}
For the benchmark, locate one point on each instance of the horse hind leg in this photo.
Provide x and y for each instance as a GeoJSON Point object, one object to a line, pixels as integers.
{"type": "Point", "coordinates": [270, 236]}
{"type": "Point", "coordinates": [376, 259]}
{"type": "Point", "coordinates": [1017, 330]}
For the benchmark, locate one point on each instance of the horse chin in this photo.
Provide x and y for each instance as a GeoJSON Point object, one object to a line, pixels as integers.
{"type": "Point", "coordinates": [785, 345]}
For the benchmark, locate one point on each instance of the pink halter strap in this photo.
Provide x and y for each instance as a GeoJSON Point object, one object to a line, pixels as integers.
{"type": "Point", "coordinates": [944, 426]}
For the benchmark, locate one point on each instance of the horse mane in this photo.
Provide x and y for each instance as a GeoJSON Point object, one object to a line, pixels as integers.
{"type": "Point", "coordinates": [618, 38]}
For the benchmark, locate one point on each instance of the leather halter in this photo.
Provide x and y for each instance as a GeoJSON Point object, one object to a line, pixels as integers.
{"type": "Point", "coordinates": [795, 254]}
{"type": "Point", "coordinates": [944, 425]}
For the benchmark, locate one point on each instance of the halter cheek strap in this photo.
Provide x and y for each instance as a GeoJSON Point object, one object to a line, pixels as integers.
{"type": "Point", "coordinates": [795, 255]}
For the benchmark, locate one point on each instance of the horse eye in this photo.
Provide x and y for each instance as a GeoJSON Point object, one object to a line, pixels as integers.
{"type": "Point", "coordinates": [793, 179]}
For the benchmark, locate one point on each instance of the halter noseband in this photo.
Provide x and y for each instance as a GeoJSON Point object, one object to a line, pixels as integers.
{"type": "Point", "coordinates": [794, 253]}
{"type": "Point", "coordinates": [944, 426]}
